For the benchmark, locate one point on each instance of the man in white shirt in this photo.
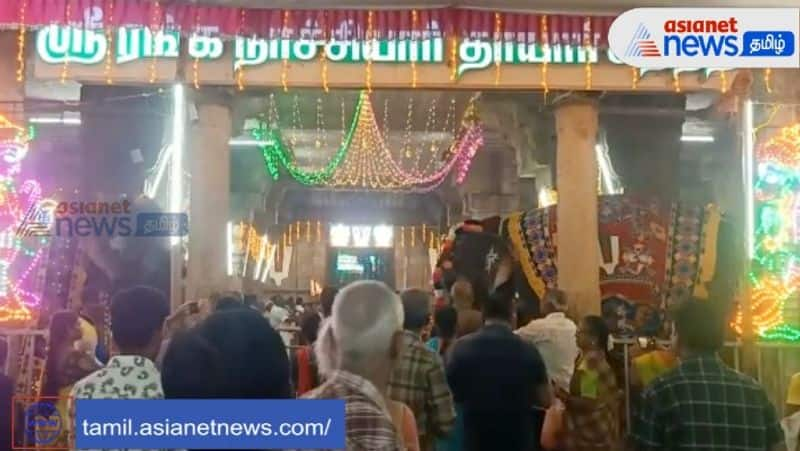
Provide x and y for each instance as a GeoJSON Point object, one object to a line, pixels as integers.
{"type": "Point", "coordinates": [554, 337]}
{"type": "Point", "coordinates": [137, 320]}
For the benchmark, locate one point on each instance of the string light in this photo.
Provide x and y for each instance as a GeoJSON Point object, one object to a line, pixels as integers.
{"type": "Point", "coordinates": [453, 57]}
{"type": "Point", "coordinates": [285, 59]}
{"type": "Point", "coordinates": [319, 232]}
{"type": "Point", "coordinates": [634, 78]}
{"type": "Point", "coordinates": [324, 61]}
{"type": "Point", "coordinates": [240, 66]}
{"type": "Point", "coordinates": [196, 62]}
{"type": "Point", "coordinates": [414, 18]}
{"type": "Point", "coordinates": [155, 27]}
{"type": "Point", "coordinates": [109, 60]}
{"type": "Point", "coordinates": [19, 257]}
{"type": "Point", "coordinates": [723, 80]}
{"type": "Point", "coordinates": [587, 31]}
{"type": "Point", "coordinates": [676, 81]}
{"type": "Point", "coordinates": [23, 9]}
{"type": "Point", "coordinates": [65, 65]}
{"type": "Point", "coordinates": [364, 160]}
{"type": "Point", "coordinates": [368, 81]}
{"type": "Point", "coordinates": [545, 48]}
{"type": "Point", "coordinates": [308, 231]}
{"type": "Point", "coordinates": [498, 26]}
{"type": "Point", "coordinates": [767, 79]}
{"type": "Point", "coordinates": [413, 236]}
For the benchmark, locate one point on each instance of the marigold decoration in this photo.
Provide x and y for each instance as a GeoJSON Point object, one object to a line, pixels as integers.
{"type": "Point", "coordinates": [22, 251]}
{"type": "Point", "coordinates": [364, 160]}
{"type": "Point", "coordinates": [775, 269]}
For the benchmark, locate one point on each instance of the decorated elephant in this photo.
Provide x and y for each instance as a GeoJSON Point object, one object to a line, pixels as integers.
{"type": "Point", "coordinates": [651, 254]}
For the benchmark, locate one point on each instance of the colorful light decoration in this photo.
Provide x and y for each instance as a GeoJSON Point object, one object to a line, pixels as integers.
{"type": "Point", "coordinates": [775, 270]}
{"type": "Point", "coordinates": [365, 161]}
{"type": "Point", "coordinates": [20, 256]}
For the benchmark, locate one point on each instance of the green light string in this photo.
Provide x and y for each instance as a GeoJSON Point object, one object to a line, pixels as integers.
{"type": "Point", "coordinates": [783, 332]}
{"type": "Point", "coordinates": [276, 154]}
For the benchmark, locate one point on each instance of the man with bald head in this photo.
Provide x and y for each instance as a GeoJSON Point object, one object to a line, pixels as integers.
{"type": "Point", "coordinates": [356, 350]}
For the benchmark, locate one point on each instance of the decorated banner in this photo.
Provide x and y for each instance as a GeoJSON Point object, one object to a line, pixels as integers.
{"type": "Point", "coordinates": [340, 24]}
{"type": "Point", "coordinates": [56, 45]}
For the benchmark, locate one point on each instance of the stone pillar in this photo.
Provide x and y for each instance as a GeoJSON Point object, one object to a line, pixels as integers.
{"type": "Point", "coordinates": [208, 160]}
{"type": "Point", "coordinates": [576, 179]}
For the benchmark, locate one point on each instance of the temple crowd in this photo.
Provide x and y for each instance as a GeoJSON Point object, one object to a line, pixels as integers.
{"type": "Point", "coordinates": [423, 376]}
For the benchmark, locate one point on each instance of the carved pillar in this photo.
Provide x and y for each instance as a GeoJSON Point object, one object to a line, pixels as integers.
{"type": "Point", "coordinates": [209, 164]}
{"type": "Point", "coordinates": [576, 178]}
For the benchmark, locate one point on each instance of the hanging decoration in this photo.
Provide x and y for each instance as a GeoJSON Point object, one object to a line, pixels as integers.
{"type": "Point", "coordinates": [155, 28]}
{"type": "Point", "coordinates": [109, 58]}
{"type": "Point", "coordinates": [545, 45]}
{"type": "Point", "coordinates": [21, 41]}
{"type": "Point", "coordinates": [775, 269]}
{"type": "Point", "coordinates": [498, 37]}
{"type": "Point", "coordinates": [22, 248]}
{"type": "Point", "coordinates": [767, 80]}
{"type": "Point", "coordinates": [364, 160]}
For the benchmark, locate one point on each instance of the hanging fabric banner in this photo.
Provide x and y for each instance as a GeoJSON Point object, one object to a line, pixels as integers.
{"type": "Point", "coordinates": [339, 24]}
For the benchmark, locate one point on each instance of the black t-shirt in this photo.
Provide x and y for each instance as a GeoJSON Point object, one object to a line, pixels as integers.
{"type": "Point", "coordinates": [494, 375]}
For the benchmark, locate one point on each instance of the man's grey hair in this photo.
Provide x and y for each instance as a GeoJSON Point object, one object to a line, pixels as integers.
{"type": "Point", "coordinates": [364, 319]}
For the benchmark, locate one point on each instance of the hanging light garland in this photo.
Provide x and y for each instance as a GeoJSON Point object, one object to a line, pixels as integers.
{"type": "Point", "coordinates": [364, 160]}
{"type": "Point", "coordinates": [65, 65]}
{"type": "Point", "coordinates": [498, 27]}
{"type": "Point", "coordinates": [154, 29]}
{"type": "Point", "coordinates": [414, 19]}
{"type": "Point", "coordinates": [275, 153]}
{"type": "Point", "coordinates": [369, 37]}
{"type": "Point", "coordinates": [240, 66]}
{"type": "Point", "coordinates": [546, 48]}
{"type": "Point", "coordinates": [587, 45]}
{"type": "Point", "coordinates": [768, 80]}
{"type": "Point", "coordinates": [775, 268]}
{"type": "Point", "coordinates": [109, 29]}
{"type": "Point", "coordinates": [454, 58]}
{"type": "Point", "coordinates": [196, 61]}
{"type": "Point", "coordinates": [23, 9]}
{"type": "Point", "coordinates": [676, 81]}
{"type": "Point", "coordinates": [285, 60]}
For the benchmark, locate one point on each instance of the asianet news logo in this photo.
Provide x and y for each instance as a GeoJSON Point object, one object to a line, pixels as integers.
{"type": "Point", "coordinates": [700, 37]}
{"type": "Point", "coordinates": [83, 219]}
